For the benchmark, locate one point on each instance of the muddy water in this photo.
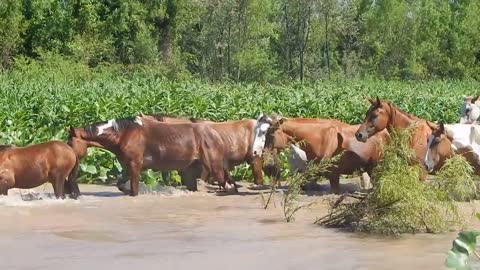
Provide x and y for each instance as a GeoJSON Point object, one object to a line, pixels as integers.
{"type": "Point", "coordinates": [181, 230]}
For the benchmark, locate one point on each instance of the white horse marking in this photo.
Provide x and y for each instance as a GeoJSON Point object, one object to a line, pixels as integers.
{"type": "Point", "coordinates": [101, 129]}
{"type": "Point", "coordinates": [259, 134]}
{"type": "Point", "coordinates": [138, 120]}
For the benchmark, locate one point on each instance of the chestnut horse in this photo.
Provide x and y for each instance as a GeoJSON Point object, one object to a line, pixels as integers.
{"type": "Point", "coordinates": [446, 140]}
{"type": "Point", "coordinates": [325, 138]}
{"type": "Point", "coordinates": [142, 143]}
{"type": "Point", "coordinates": [243, 140]}
{"type": "Point", "coordinates": [31, 166]}
{"type": "Point", "coordinates": [384, 115]}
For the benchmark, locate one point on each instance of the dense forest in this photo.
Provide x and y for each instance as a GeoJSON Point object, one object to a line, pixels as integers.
{"type": "Point", "coordinates": [251, 40]}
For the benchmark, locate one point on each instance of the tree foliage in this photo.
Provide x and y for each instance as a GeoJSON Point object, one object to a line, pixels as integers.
{"type": "Point", "coordinates": [252, 40]}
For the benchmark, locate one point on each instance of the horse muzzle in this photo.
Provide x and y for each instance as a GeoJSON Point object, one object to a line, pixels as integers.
{"type": "Point", "coordinates": [361, 136]}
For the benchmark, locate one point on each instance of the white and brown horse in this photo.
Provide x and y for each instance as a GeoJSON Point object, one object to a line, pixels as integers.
{"type": "Point", "coordinates": [446, 140]}
{"type": "Point", "coordinates": [147, 144]}
{"type": "Point", "coordinates": [243, 140]}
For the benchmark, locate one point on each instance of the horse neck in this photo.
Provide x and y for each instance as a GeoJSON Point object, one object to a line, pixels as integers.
{"type": "Point", "coordinates": [109, 142]}
{"type": "Point", "coordinates": [399, 119]}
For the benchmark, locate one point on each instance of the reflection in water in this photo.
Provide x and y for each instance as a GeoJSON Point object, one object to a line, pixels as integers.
{"type": "Point", "coordinates": [180, 230]}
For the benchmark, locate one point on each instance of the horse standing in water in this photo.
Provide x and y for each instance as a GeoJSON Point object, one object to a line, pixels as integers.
{"type": "Point", "coordinates": [384, 115]}
{"type": "Point", "coordinates": [446, 140]}
{"type": "Point", "coordinates": [325, 138]}
{"type": "Point", "coordinates": [30, 166]}
{"type": "Point", "coordinates": [146, 144]}
{"type": "Point", "coordinates": [243, 140]}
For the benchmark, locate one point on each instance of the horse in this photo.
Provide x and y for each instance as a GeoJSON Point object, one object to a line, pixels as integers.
{"type": "Point", "coordinates": [325, 138]}
{"type": "Point", "coordinates": [141, 143]}
{"type": "Point", "coordinates": [470, 110]}
{"type": "Point", "coordinates": [30, 166]}
{"type": "Point", "coordinates": [244, 141]}
{"type": "Point", "coordinates": [172, 119]}
{"type": "Point", "coordinates": [383, 115]}
{"type": "Point", "coordinates": [446, 140]}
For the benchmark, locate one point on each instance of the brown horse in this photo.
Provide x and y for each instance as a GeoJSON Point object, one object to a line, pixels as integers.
{"type": "Point", "coordinates": [384, 115]}
{"type": "Point", "coordinates": [325, 138]}
{"type": "Point", "coordinates": [31, 166]}
{"type": "Point", "coordinates": [141, 143]}
{"type": "Point", "coordinates": [239, 138]}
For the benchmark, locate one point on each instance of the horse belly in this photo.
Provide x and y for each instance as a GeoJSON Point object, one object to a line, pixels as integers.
{"type": "Point", "coordinates": [30, 178]}
{"type": "Point", "coordinates": [169, 158]}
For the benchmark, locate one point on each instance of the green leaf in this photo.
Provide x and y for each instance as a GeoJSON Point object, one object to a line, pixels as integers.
{"type": "Point", "coordinates": [88, 169]}
{"type": "Point", "coordinates": [462, 247]}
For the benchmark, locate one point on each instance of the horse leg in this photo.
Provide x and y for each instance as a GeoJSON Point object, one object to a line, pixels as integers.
{"type": "Point", "coordinates": [72, 184]}
{"type": "Point", "coordinates": [58, 184]}
{"type": "Point", "coordinates": [256, 165]}
{"type": "Point", "coordinates": [334, 178]}
{"type": "Point", "coordinates": [3, 187]}
{"type": "Point", "coordinates": [229, 179]}
{"type": "Point", "coordinates": [189, 177]}
{"type": "Point", "coordinates": [134, 169]}
{"type": "Point", "coordinates": [166, 177]}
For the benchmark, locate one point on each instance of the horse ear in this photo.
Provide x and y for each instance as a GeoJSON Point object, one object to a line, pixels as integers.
{"type": "Point", "coordinates": [377, 101]}
{"type": "Point", "coordinates": [71, 131]}
{"type": "Point", "coordinates": [431, 125]}
{"type": "Point", "coordinates": [441, 127]}
{"type": "Point", "coordinates": [370, 100]}
{"type": "Point", "coordinates": [475, 99]}
{"type": "Point", "coordinates": [142, 115]}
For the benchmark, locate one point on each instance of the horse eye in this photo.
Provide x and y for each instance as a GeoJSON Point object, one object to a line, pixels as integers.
{"type": "Point", "coordinates": [468, 110]}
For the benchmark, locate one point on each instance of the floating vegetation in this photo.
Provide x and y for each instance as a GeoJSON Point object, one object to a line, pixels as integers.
{"type": "Point", "coordinates": [456, 177]}
{"type": "Point", "coordinates": [399, 202]}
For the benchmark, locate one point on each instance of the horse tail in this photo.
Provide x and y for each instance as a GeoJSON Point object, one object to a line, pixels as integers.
{"type": "Point", "coordinates": [72, 179]}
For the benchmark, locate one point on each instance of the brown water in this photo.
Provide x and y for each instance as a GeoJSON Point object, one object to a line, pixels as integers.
{"type": "Point", "coordinates": [106, 230]}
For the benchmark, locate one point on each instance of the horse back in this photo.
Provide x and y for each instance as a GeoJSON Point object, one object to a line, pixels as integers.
{"type": "Point", "coordinates": [237, 137]}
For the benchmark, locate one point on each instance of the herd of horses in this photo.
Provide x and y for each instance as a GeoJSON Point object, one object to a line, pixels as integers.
{"type": "Point", "coordinates": [207, 150]}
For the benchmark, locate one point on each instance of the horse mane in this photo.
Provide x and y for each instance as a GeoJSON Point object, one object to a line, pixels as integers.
{"type": "Point", "coordinates": [161, 117]}
{"type": "Point", "coordinates": [4, 147]}
{"type": "Point", "coordinates": [119, 125]}
{"type": "Point", "coordinates": [402, 111]}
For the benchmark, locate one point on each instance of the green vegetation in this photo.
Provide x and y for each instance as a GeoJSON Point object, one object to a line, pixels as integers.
{"type": "Point", "coordinates": [462, 247]}
{"type": "Point", "coordinates": [399, 202]}
{"type": "Point", "coordinates": [252, 40]}
{"type": "Point", "coordinates": [456, 176]}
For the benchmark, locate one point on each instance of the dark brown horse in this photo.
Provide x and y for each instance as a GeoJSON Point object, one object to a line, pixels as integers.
{"type": "Point", "coordinates": [325, 138]}
{"type": "Point", "coordinates": [31, 166]}
{"type": "Point", "coordinates": [384, 115]}
{"type": "Point", "coordinates": [141, 143]}
{"type": "Point", "coordinates": [244, 141]}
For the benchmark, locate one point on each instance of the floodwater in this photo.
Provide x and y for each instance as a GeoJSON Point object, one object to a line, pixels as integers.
{"type": "Point", "coordinates": [181, 230]}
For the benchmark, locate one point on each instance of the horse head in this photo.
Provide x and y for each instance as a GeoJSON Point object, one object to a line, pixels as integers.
{"type": "Point", "coordinates": [438, 147]}
{"type": "Point", "coordinates": [376, 119]}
